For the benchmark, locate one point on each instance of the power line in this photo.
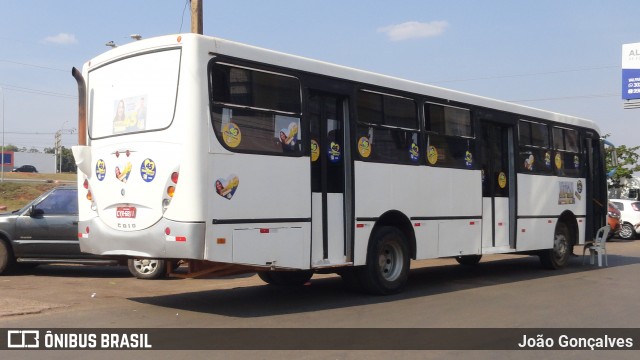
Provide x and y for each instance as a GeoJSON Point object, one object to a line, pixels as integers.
{"type": "Point", "coordinates": [32, 65]}
{"type": "Point", "coordinates": [591, 96]}
{"type": "Point", "coordinates": [37, 91]}
{"type": "Point", "coordinates": [526, 74]}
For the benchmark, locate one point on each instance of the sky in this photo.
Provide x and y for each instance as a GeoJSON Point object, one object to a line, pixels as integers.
{"type": "Point", "coordinates": [563, 56]}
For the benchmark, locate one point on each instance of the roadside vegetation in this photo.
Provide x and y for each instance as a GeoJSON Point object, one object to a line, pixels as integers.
{"type": "Point", "coordinates": [15, 195]}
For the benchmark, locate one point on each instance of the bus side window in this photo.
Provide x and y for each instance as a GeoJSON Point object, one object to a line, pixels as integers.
{"type": "Point", "coordinates": [450, 140]}
{"type": "Point", "coordinates": [256, 111]}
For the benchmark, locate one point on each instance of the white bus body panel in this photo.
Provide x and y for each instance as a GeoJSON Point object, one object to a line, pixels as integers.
{"type": "Point", "coordinates": [435, 196]}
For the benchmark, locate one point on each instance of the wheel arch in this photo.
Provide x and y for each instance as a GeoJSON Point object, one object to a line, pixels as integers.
{"type": "Point", "coordinates": [400, 221]}
{"type": "Point", "coordinates": [570, 220]}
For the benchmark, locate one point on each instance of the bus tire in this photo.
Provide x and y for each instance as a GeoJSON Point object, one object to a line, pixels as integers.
{"type": "Point", "coordinates": [558, 256]}
{"type": "Point", "coordinates": [286, 278]}
{"type": "Point", "coordinates": [6, 257]}
{"type": "Point", "coordinates": [387, 268]}
{"type": "Point", "coordinates": [468, 260]}
{"type": "Point", "coordinates": [147, 269]}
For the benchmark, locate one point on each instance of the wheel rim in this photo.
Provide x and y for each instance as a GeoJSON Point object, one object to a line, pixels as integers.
{"type": "Point", "coordinates": [390, 261]}
{"type": "Point", "coordinates": [145, 266]}
{"type": "Point", "coordinates": [625, 231]}
{"type": "Point", "coordinates": [560, 246]}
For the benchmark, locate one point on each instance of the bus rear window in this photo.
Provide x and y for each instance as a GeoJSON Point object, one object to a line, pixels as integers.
{"type": "Point", "coordinates": [133, 94]}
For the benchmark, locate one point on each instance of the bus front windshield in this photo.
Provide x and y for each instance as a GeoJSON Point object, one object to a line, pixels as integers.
{"type": "Point", "coordinates": [133, 94]}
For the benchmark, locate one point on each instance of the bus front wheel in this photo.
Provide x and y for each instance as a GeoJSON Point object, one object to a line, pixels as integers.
{"type": "Point", "coordinates": [387, 268]}
{"type": "Point", "coordinates": [558, 256]}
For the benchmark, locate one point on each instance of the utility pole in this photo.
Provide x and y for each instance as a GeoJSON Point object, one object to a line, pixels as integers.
{"type": "Point", "coordinates": [196, 17]}
{"type": "Point", "coordinates": [58, 150]}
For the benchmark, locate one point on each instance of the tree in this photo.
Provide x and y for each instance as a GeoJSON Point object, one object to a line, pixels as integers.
{"type": "Point", "coordinates": [628, 159]}
{"type": "Point", "coordinates": [10, 147]}
{"type": "Point", "coordinates": [68, 162]}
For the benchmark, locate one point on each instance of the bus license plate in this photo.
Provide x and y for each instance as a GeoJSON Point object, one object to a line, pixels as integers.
{"type": "Point", "coordinates": [126, 212]}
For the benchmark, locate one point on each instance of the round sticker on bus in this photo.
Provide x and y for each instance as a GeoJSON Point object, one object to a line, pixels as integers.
{"type": "Point", "coordinates": [148, 170]}
{"type": "Point", "coordinates": [101, 169]}
{"type": "Point", "coordinates": [315, 150]}
{"type": "Point", "coordinates": [579, 186]}
{"type": "Point", "coordinates": [364, 147]}
{"type": "Point", "coordinates": [414, 152]}
{"type": "Point", "coordinates": [558, 161]}
{"type": "Point", "coordinates": [576, 161]}
{"type": "Point", "coordinates": [335, 153]}
{"type": "Point", "coordinates": [231, 134]}
{"type": "Point", "coordinates": [502, 180]}
{"type": "Point", "coordinates": [432, 155]}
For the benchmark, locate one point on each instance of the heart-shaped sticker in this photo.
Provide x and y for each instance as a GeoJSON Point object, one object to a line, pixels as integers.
{"type": "Point", "coordinates": [227, 187]}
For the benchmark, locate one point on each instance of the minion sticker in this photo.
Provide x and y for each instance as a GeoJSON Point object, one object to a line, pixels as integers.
{"type": "Point", "coordinates": [547, 160]}
{"type": "Point", "coordinates": [148, 170]}
{"type": "Point", "coordinates": [123, 174]}
{"type": "Point", "coordinates": [576, 161]}
{"type": "Point", "coordinates": [468, 159]}
{"type": "Point", "coordinates": [101, 169]}
{"type": "Point", "coordinates": [335, 153]}
{"type": "Point", "coordinates": [558, 161]}
{"type": "Point", "coordinates": [231, 135]}
{"type": "Point", "coordinates": [227, 187]}
{"type": "Point", "coordinates": [414, 152]}
{"type": "Point", "coordinates": [502, 180]}
{"type": "Point", "coordinates": [432, 155]}
{"type": "Point", "coordinates": [364, 147]}
{"type": "Point", "coordinates": [315, 150]}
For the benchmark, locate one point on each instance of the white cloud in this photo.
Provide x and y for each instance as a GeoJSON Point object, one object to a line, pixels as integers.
{"type": "Point", "coordinates": [61, 39]}
{"type": "Point", "coordinates": [414, 29]}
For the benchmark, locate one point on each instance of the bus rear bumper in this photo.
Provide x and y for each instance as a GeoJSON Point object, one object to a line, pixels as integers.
{"type": "Point", "coordinates": [183, 240]}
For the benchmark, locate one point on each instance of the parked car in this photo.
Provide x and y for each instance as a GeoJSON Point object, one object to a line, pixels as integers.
{"type": "Point", "coordinates": [629, 217]}
{"type": "Point", "coordinates": [46, 231]}
{"type": "Point", "coordinates": [613, 219]}
{"type": "Point", "coordinates": [26, 168]}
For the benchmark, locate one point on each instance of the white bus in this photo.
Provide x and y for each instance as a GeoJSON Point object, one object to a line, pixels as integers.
{"type": "Point", "coordinates": [233, 158]}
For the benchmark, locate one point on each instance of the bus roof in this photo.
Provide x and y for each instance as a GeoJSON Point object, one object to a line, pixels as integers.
{"type": "Point", "coordinates": [215, 45]}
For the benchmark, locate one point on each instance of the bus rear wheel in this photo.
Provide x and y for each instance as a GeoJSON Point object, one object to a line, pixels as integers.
{"type": "Point", "coordinates": [387, 268]}
{"type": "Point", "coordinates": [558, 256]}
{"type": "Point", "coordinates": [286, 278]}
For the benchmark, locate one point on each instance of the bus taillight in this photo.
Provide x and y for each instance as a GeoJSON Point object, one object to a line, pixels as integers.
{"type": "Point", "coordinates": [86, 184]}
{"type": "Point", "coordinates": [174, 177]}
{"type": "Point", "coordinates": [171, 190]}
{"type": "Point", "coordinates": [89, 196]}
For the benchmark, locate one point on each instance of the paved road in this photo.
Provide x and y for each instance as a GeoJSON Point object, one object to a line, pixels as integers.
{"type": "Point", "coordinates": [502, 291]}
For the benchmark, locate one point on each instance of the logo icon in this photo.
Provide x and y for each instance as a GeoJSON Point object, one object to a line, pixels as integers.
{"type": "Point", "coordinates": [23, 339]}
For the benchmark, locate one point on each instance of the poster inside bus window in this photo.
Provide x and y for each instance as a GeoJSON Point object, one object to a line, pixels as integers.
{"type": "Point", "coordinates": [130, 114]}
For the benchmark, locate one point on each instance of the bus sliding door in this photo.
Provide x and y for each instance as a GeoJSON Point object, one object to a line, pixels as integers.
{"type": "Point", "coordinates": [498, 186]}
{"type": "Point", "coordinates": [329, 143]}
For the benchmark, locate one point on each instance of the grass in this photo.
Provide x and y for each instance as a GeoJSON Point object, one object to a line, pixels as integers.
{"type": "Point", "coordinates": [15, 195]}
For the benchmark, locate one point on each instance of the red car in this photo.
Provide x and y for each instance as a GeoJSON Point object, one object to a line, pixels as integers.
{"type": "Point", "coordinates": [613, 219]}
